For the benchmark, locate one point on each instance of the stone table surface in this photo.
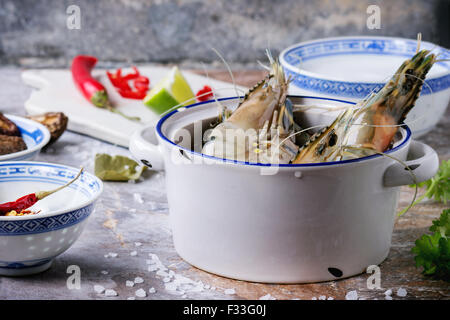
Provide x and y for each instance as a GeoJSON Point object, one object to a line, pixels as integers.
{"type": "Point", "coordinates": [132, 220]}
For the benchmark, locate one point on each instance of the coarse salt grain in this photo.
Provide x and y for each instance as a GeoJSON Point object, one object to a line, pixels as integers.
{"type": "Point", "coordinates": [351, 295]}
{"type": "Point", "coordinates": [330, 298]}
{"type": "Point", "coordinates": [131, 298]}
{"type": "Point", "coordinates": [166, 280]}
{"type": "Point", "coordinates": [99, 288]}
{"type": "Point", "coordinates": [104, 272]}
{"type": "Point", "coordinates": [171, 286]}
{"type": "Point", "coordinates": [314, 298]}
{"type": "Point", "coordinates": [267, 297]}
{"type": "Point", "coordinates": [388, 297]}
{"type": "Point", "coordinates": [230, 291]}
{"type": "Point", "coordinates": [129, 283]}
{"type": "Point", "coordinates": [198, 287]}
{"type": "Point", "coordinates": [138, 198]}
{"type": "Point", "coordinates": [138, 244]}
{"type": "Point", "coordinates": [151, 290]}
{"type": "Point", "coordinates": [401, 292]}
{"type": "Point", "coordinates": [141, 293]}
{"type": "Point", "coordinates": [110, 293]}
{"type": "Point", "coordinates": [162, 273]}
{"type": "Point", "coordinates": [388, 292]}
{"type": "Point", "coordinates": [133, 253]}
{"type": "Point", "coordinates": [322, 297]}
{"type": "Point", "coordinates": [138, 280]}
{"type": "Point", "coordinates": [152, 268]}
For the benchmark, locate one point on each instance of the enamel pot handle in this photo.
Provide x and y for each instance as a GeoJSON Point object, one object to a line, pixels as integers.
{"type": "Point", "coordinates": [146, 152]}
{"type": "Point", "coordinates": [422, 160]}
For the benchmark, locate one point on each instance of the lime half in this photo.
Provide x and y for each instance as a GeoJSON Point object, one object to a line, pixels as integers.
{"type": "Point", "coordinates": [169, 92]}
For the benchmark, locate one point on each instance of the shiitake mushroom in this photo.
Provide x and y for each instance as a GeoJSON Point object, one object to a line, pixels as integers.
{"type": "Point", "coordinates": [56, 123]}
{"type": "Point", "coordinates": [11, 144]}
{"type": "Point", "coordinates": [7, 127]}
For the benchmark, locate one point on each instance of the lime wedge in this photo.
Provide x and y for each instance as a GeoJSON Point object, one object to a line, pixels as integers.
{"type": "Point", "coordinates": [169, 92]}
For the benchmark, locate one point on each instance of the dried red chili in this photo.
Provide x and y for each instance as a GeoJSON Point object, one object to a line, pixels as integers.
{"type": "Point", "coordinates": [204, 94]}
{"type": "Point", "coordinates": [30, 199]}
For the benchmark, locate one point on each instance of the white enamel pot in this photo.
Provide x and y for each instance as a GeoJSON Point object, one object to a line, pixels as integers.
{"type": "Point", "coordinates": [278, 224]}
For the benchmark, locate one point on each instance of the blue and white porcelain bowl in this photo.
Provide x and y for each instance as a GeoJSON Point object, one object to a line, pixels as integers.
{"type": "Point", "coordinates": [350, 68]}
{"type": "Point", "coordinates": [28, 244]}
{"type": "Point", "coordinates": [35, 135]}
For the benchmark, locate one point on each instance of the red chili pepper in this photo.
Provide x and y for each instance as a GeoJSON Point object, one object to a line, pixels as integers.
{"type": "Point", "coordinates": [117, 80]}
{"type": "Point", "coordinates": [92, 90]}
{"type": "Point", "coordinates": [27, 201]}
{"type": "Point", "coordinates": [120, 82]}
{"type": "Point", "coordinates": [131, 94]}
{"type": "Point", "coordinates": [132, 76]}
{"type": "Point", "coordinates": [204, 94]}
{"type": "Point", "coordinates": [141, 84]}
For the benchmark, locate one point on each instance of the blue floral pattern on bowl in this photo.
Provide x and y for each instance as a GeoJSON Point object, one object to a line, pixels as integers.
{"type": "Point", "coordinates": [38, 239]}
{"type": "Point", "coordinates": [344, 46]}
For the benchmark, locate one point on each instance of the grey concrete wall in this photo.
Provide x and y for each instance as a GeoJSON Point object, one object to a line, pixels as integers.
{"type": "Point", "coordinates": [34, 32]}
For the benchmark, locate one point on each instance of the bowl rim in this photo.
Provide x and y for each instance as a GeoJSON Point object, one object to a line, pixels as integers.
{"type": "Point", "coordinates": [172, 144]}
{"type": "Point", "coordinates": [83, 204]}
{"type": "Point", "coordinates": [316, 75]}
{"type": "Point", "coordinates": [39, 146]}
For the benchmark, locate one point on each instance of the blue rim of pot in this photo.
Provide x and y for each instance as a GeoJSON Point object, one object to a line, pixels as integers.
{"type": "Point", "coordinates": [255, 164]}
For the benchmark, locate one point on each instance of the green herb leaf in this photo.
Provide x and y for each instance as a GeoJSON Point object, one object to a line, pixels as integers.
{"type": "Point", "coordinates": [433, 251]}
{"type": "Point", "coordinates": [438, 187]}
{"type": "Point", "coordinates": [117, 168]}
{"type": "Point", "coordinates": [442, 225]}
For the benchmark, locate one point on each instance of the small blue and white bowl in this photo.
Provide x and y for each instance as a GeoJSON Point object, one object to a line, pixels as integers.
{"type": "Point", "coordinates": [35, 135]}
{"type": "Point", "coordinates": [350, 68]}
{"type": "Point", "coordinates": [28, 244]}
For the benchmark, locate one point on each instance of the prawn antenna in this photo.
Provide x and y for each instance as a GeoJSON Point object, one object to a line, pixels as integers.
{"type": "Point", "coordinates": [419, 40]}
{"type": "Point", "coordinates": [229, 70]}
{"type": "Point", "coordinates": [222, 108]}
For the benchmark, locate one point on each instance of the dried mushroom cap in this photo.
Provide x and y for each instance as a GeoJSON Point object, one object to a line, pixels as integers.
{"type": "Point", "coordinates": [11, 144]}
{"type": "Point", "coordinates": [7, 127]}
{"type": "Point", "coordinates": [56, 123]}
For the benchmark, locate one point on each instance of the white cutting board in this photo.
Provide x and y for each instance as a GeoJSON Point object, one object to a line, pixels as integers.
{"type": "Point", "coordinates": [55, 91]}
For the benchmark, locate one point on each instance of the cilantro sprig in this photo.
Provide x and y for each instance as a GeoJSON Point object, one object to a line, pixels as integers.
{"type": "Point", "coordinates": [433, 251]}
{"type": "Point", "coordinates": [438, 187]}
